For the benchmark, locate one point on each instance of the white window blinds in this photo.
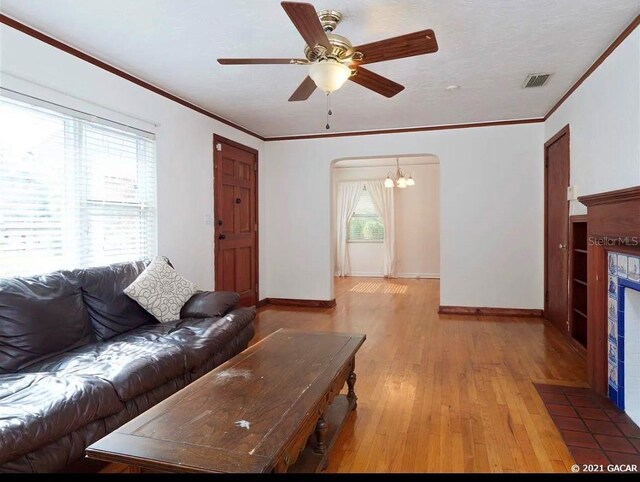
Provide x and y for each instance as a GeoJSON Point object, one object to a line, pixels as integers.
{"type": "Point", "coordinates": [73, 193]}
{"type": "Point", "coordinates": [365, 223]}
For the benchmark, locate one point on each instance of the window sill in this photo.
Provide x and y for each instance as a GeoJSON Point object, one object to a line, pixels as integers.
{"type": "Point", "coordinates": [363, 241]}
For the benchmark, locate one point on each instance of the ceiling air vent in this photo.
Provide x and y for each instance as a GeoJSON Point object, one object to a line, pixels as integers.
{"type": "Point", "coordinates": [535, 80]}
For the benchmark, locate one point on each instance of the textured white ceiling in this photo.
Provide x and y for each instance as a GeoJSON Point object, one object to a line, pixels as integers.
{"type": "Point", "coordinates": [487, 47]}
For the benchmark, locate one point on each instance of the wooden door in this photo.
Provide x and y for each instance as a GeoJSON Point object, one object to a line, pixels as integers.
{"type": "Point", "coordinates": [236, 223]}
{"type": "Point", "coordinates": [556, 306]}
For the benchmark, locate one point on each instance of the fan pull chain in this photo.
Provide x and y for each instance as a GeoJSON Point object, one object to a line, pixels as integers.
{"type": "Point", "coordinates": [328, 111]}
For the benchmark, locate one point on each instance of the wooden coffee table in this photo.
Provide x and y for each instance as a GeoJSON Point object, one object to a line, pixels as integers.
{"type": "Point", "coordinates": [275, 407]}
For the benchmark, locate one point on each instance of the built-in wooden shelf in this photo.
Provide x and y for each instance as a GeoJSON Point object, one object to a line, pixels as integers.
{"type": "Point", "coordinates": [580, 312]}
{"type": "Point", "coordinates": [578, 289]}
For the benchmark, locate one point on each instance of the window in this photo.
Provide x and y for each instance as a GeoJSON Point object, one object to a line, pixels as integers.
{"type": "Point", "coordinates": [73, 193]}
{"type": "Point", "coordinates": [365, 224]}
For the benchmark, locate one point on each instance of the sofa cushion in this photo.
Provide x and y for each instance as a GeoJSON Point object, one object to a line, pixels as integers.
{"type": "Point", "coordinates": [131, 364]}
{"type": "Point", "coordinates": [60, 454]}
{"type": "Point", "coordinates": [39, 317]}
{"type": "Point", "coordinates": [201, 338]}
{"type": "Point", "coordinates": [136, 367]}
{"type": "Point", "coordinates": [207, 304]}
{"type": "Point", "coordinates": [110, 310]}
{"type": "Point", "coordinates": [36, 409]}
{"type": "Point", "coordinates": [57, 455]}
{"type": "Point", "coordinates": [161, 290]}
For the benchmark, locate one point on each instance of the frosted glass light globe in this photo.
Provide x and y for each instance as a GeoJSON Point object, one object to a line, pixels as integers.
{"type": "Point", "coordinates": [329, 75]}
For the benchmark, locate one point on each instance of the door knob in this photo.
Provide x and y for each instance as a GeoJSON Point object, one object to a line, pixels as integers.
{"type": "Point", "coordinates": [222, 236]}
{"type": "Point", "coordinates": [562, 246]}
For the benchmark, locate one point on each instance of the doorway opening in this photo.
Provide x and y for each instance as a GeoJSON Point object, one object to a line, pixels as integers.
{"type": "Point", "coordinates": [386, 232]}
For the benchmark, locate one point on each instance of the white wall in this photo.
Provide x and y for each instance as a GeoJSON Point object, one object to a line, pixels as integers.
{"type": "Point", "coordinates": [491, 177]}
{"type": "Point", "coordinates": [491, 212]}
{"type": "Point", "coordinates": [417, 222]}
{"type": "Point", "coordinates": [491, 191]}
{"type": "Point", "coordinates": [604, 115]}
{"type": "Point", "coordinates": [184, 140]}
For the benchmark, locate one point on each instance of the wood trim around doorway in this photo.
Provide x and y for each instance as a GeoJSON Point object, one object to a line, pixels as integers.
{"type": "Point", "coordinates": [224, 140]}
{"type": "Point", "coordinates": [218, 138]}
{"type": "Point", "coordinates": [566, 130]}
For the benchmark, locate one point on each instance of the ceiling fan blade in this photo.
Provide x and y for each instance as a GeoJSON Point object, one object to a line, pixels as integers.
{"type": "Point", "coordinates": [305, 19]}
{"type": "Point", "coordinates": [262, 61]}
{"type": "Point", "coordinates": [375, 82]}
{"type": "Point", "coordinates": [417, 43]}
{"type": "Point", "coordinates": [304, 90]}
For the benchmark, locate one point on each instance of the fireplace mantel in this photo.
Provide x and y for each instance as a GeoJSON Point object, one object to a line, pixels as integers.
{"type": "Point", "coordinates": [611, 197]}
{"type": "Point", "coordinates": [613, 223]}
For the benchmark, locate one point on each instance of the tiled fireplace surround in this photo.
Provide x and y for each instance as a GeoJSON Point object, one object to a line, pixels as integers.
{"type": "Point", "coordinates": [623, 329]}
{"type": "Point", "coordinates": [613, 275]}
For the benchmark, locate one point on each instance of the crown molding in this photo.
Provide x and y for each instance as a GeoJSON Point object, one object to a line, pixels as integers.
{"type": "Point", "coordinates": [21, 27]}
{"type": "Point", "coordinates": [614, 45]}
{"type": "Point", "coordinates": [13, 23]}
{"type": "Point", "coordinates": [403, 130]}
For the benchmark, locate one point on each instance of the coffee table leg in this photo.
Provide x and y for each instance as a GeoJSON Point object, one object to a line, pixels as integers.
{"type": "Point", "coordinates": [321, 436]}
{"type": "Point", "coordinates": [351, 383]}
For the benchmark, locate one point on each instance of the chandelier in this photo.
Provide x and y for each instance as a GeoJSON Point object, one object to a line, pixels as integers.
{"type": "Point", "coordinates": [399, 179]}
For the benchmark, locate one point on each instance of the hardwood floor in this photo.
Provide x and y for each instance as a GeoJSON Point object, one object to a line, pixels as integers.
{"type": "Point", "coordinates": [441, 393]}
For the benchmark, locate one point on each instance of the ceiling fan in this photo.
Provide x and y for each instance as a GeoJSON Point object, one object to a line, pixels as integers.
{"type": "Point", "coordinates": [331, 58]}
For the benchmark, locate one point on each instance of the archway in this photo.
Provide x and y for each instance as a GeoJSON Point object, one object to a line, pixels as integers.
{"type": "Point", "coordinates": [416, 217]}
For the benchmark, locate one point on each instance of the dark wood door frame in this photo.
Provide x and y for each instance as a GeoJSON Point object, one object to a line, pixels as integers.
{"type": "Point", "coordinates": [256, 268]}
{"type": "Point", "coordinates": [565, 131]}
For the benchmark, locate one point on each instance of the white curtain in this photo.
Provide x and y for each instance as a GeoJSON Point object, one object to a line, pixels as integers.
{"type": "Point", "coordinates": [382, 198]}
{"type": "Point", "coordinates": [346, 203]}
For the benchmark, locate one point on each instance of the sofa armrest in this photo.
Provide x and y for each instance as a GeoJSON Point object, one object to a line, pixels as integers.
{"type": "Point", "coordinates": [206, 304]}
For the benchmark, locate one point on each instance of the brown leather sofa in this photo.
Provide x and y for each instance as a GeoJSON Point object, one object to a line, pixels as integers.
{"type": "Point", "coordinates": [78, 359]}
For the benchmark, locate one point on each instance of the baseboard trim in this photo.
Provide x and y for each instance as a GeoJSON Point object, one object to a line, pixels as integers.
{"type": "Point", "coordinates": [363, 274]}
{"type": "Point", "coordinates": [300, 303]}
{"type": "Point", "coordinates": [474, 310]}
{"type": "Point", "coordinates": [418, 275]}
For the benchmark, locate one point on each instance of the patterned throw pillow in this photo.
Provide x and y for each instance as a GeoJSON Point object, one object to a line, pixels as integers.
{"type": "Point", "coordinates": [161, 290]}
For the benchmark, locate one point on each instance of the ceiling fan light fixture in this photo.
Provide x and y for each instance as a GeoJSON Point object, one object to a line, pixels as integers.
{"type": "Point", "coordinates": [332, 58]}
{"type": "Point", "coordinates": [329, 75]}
